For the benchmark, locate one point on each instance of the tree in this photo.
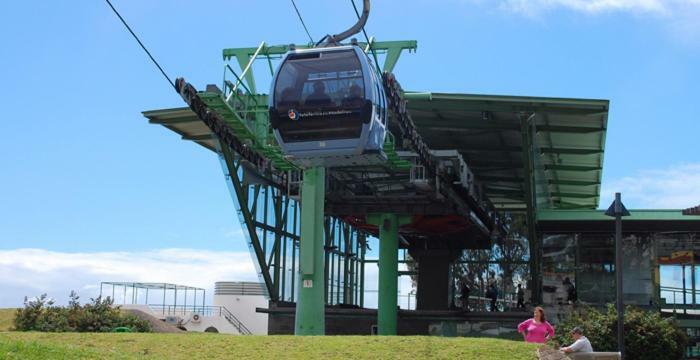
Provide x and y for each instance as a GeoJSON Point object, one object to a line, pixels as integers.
{"type": "Point", "coordinates": [502, 263]}
{"type": "Point", "coordinates": [40, 314]}
{"type": "Point", "coordinates": [648, 336]}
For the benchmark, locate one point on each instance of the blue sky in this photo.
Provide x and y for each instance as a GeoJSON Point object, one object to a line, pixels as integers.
{"type": "Point", "coordinates": [83, 171]}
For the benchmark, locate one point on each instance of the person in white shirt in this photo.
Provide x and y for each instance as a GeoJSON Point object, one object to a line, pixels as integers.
{"type": "Point", "coordinates": [581, 343]}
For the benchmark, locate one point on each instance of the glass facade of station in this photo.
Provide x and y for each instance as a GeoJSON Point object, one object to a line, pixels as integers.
{"type": "Point", "coordinates": [658, 268]}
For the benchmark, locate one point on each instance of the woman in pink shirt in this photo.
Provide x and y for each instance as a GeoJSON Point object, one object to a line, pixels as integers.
{"type": "Point", "coordinates": [537, 329]}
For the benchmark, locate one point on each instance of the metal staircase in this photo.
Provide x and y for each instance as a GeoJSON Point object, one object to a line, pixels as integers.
{"type": "Point", "coordinates": [221, 311]}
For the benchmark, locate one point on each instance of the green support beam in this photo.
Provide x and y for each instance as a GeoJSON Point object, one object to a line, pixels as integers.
{"type": "Point", "coordinates": [310, 312]}
{"type": "Point", "coordinates": [510, 104]}
{"type": "Point", "coordinates": [550, 150]}
{"type": "Point", "coordinates": [388, 269]}
{"type": "Point", "coordinates": [520, 179]}
{"type": "Point", "coordinates": [199, 137]}
{"type": "Point", "coordinates": [392, 50]}
{"type": "Point", "coordinates": [569, 129]}
{"type": "Point", "coordinates": [459, 124]}
{"type": "Point", "coordinates": [574, 195]}
{"type": "Point", "coordinates": [576, 168]}
{"type": "Point", "coordinates": [574, 182]}
{"type": "Point", "coordinates": [571, 151]}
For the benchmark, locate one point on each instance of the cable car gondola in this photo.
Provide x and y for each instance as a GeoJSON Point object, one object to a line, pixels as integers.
{"type": "Point", "coordinates": [328, 106]}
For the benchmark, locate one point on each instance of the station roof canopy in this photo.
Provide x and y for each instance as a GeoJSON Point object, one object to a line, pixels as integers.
{"type": "Point", "coordinates": [567, 146]}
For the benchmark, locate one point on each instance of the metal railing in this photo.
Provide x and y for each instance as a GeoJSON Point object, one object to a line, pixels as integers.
{"type": "Point", "coordinates": [242, 329]}
{"type": "Point", "coordinates": [220, 311]}
{"type": "Point", "coordinates": [678, 299]}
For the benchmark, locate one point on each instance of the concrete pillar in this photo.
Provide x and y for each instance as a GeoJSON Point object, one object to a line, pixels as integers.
{"type": "Point", "coordinates": [434, 278]}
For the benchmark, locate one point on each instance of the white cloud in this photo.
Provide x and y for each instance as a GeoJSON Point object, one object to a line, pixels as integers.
{"type": "Point", "coordinates": [675, 187]}
{"type": "Point", "coordinates": [678, 17]}
{"type": "Point", "coordinates": [35, 271]}
{"type": "Point", "coordinates": [660, 7]}
{"type": "Point", "coordinates": [31, 272]}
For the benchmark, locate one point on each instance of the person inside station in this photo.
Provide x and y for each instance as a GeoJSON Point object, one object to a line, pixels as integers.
{"type": "Point", "coordinates": [465, 295]}
{"type": "Point", "coordinates": [492, 294]}
{"type": "Point", "coordinates": [520, 294]}
{"type": "Point", "coordinates": [570, 290]}
{"type": "Point", "coordinates": [581, 343]}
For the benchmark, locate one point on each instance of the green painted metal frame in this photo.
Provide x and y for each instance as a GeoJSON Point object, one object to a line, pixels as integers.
{"type": "Point", "coordinates": [599, 215]}
{"type": "Point", "coordinates": [310, 316]}
{"type": "Point", "coordinates": [388, 225]}
{"type": "Point", "coordinates": [244, 56]}
{"type": "Point", "coordinates": [272, 224]}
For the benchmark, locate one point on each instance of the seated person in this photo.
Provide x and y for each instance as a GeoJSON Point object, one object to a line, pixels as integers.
{"type": "Point", "coordinates": [287, 97]}
{"type": "Point", "coordinates": [581, 343]}
{"type": "Point", "coordinates": [319, 96]}
{"type": "Point", "coordinates": [354, 98]}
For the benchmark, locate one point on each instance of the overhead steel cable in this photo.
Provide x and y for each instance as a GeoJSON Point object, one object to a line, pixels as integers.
{"type": "Point", "coordinates": [140, 43]}
{"type": "Point", "coordinates": [302, 21]}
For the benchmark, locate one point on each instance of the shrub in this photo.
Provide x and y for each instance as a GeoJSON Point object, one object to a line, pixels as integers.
{"type": "Point", "coordinates": [647, 334]}
{"type": "Point", "coordinates": [40, 314]}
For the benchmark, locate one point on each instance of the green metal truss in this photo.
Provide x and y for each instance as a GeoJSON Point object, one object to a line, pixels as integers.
{"type": "Point", "coordinates": [271, 221]}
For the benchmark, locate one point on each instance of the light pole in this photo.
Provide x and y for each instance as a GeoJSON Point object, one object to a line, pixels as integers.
{"type": "Point", "coordinates": [618, 210]}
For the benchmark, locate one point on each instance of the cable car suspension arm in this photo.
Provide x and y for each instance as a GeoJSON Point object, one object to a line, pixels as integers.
{"type": "Point", "coordinates": [330, 40]}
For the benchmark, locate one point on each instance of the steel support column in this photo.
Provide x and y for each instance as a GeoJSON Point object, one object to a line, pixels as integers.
{"type": "Point", "coordinates": [363, 252]}
{"type": "Point", "coordinates": [528, 175]}
{"type": "Point", "coordinates": [388, 269]}
{"type": "Point", "coordinates": [692, 275]}
{"type": "Point", "coordinates": [618, 210]}
{"type": "Point", "coordinates": [310, 310]}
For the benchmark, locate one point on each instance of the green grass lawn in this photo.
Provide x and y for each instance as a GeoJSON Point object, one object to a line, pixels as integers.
{"type": "Point", "coordinates": [6, 317]}
{"type": "Point", "coordinates": [17, 345]}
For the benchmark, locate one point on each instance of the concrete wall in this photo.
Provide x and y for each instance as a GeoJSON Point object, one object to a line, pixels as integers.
{"type": "Point", "coordinates": [243, 308]}
{"type": "Point", "coordinates": [355, 321]}
{"type": "Point", "coordinates": [219, 323]}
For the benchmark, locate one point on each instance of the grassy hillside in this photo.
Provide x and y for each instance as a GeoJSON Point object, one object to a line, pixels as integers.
{"type": "Point", "coordinates": [6, 317]}
{"type": "Point", "coordinates": [14, 345]}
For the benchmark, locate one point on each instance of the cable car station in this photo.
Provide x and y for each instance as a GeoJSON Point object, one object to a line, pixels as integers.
{"type": "Point", "coordinates": [339, 161]}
